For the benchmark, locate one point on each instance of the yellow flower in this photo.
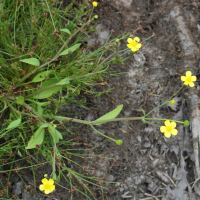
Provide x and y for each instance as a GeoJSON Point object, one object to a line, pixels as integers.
{"type": "Point", "coordinates": [47, 186]}
{"type": "Point", "coordinates": [169, 129]}
{"type": "Point", "coordinates": [94, 3]}
{"type": "Point", "coordinates": [134, 44]}
{"type": "Point", "coordinates": [189, 79]}
{"type": "Point", "coordinates": [96, 16]}
{"type": "Point", "coordinates": [172, 102]}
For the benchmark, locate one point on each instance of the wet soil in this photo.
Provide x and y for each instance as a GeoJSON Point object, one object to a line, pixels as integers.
{"type": "Point", "coordinates": [148, 165]}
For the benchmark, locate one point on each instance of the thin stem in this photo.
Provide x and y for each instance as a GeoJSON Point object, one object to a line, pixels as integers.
{"type": "Point", "coordinates": [54, 158]}
{"type": "Point", "coordinates": [102, 133]}
{"type": "Point", "coordinates": [164, 120]}
{"type": "Point", "coordinates": [157, 107]}
{"type": "Point", "coordinates": [176, 92]}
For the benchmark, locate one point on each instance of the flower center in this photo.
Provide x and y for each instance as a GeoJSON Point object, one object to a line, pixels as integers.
{"type": "Point", "coordinates": [188, 79]}
{"type": "Point", "coordinates": [168, 128]}
{"type": "Point", "coordinates": [133, 43]}
{"type": "Point", "coordinates": [47, 186]}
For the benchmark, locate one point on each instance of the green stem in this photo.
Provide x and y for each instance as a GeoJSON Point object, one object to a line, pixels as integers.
{"type": "Point", "coordinates": [147, 39]}
{"type": "Point", "coordinates": [176, 92]}
{"type": "Point", "coordinates": [164, 120]}
{"type": "Point", "coordinates": [102, 133]}
{"type": "Point", "coordinates": [54, 158]}
{"type": "Point", "coordinates": [156, 108]}
{"type": "Point", "coordinates": [33, 174]}
{"type": "Point", "coordinates": [106, 60]}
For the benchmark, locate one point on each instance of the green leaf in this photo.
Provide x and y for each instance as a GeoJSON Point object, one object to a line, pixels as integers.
{"type": "Point", "coordinates": [48, 92]}
{"type": "Point", "coordinates": [66, 31]}
{"type": "Point", "coordinates": [111, 115]}
{"type": "Point", "coordinates": [63, 82]}
{"type": "Point", "coordinates": [54, 176]}
{"type": "Point", "coordinates": [44, 103]}
{"type": "Point", "coordinates": [41, 76]}
{"type": "Point", "coordinates": [40, 111]}
{"type": "Point", "coordinates": [14, 124]}
{"type": "Point", "coordinates": [32, 61]}
{"type": "Point", "coordinates": [19, 153]}
{"type": "Point", "coordinates": [37, 138]}
{"type": "Point", "coordinates": [45, 125]}
{"type": "Point", "coordinates": [57, 135]}
{"type": "Point", "coordinates": [73, 48]}
{"type": "Point", "coordinates": [20, 100]}
{"type": "Point", "coordinates": [143, 111]}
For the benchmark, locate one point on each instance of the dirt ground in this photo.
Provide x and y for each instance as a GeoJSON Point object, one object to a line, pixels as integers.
{"type": "Point", "coordinates": [149, 165]}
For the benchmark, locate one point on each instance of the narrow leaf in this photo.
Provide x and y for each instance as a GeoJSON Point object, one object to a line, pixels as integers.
{"type": "Point", "coordinates": [37, 138]}
{"type": "Point", "coordinates": [14, 124]}
{"type": "Point", "coordinates": [111, 115]}
{"type": "Point", "coordinates": [63, 82]}
{"type": "Point", "coordinates": [40, 111]}
{"type": "Point", "coordinates": [44, 103]}
{"type": "Point", "coordinates": [19, 153]}
{"type": "Point", "coordinates": [72, 49]}
{"type": "Point", "coordinates": [32, 61]}
{"type": "Point", "coordinates": [54, 176]}
{"type": "Point", "coordinates": [66, 31]}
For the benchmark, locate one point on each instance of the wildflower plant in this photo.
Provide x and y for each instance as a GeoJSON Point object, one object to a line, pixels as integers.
{"type": "Point", "coordinates": [169, 129]}
{"type": "Point", "coordinates": [47, 186]}
{"type": "Point", "coordinates": [189, 79]}
{"type": "Point", "coordinates": [134, 44]}
{"type": "Point", "coordinates": [44, 64]}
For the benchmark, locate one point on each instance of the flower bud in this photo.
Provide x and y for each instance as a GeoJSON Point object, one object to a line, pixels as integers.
{"type": "Point", "coordinates": [119, 142]}
{"type": "Point", "coordinates": [172, 102]}
{"type": "Point", "coordinates": [186, 123]}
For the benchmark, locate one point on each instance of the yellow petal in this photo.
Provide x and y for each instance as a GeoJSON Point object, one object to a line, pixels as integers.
{"type": "Point", "coordinates": [44, 180]}
{"type": "Point", "coordinates": [137, 39]}
{"type": "Point", "coordinates": [167, 123]}
{"type": "Point", "coordinates": [129, 40]}
{"type": "Point", "coordinates": [133, 49]}
{"type": "Point", "coordinates": [191, 84]}
{"type": "Point", "coordinates": [174, 132]}
{"type": "Point", "coordinates": [183, 78]}
{"type": "Point", "coordinates": [173, 124]}
{"type": "Point", "coordinates": [138, 45]}
{"type": "Point", "coordinates": [41, 187]}
{"type": "Point", "coordinates": [188, 73]}
{"type": "Point", "coordinates": [194, 78]}
{"type": "Point", "coordinates": [51, 181]}
{"type": "Point", "coordinates": [167, 134]}
{"type": "Point", "coordinates": [47, 191]}
{"type": "Point", "coordinates": [186, 83]}
{"type": "Point", "coordinates": [52, 188]}
{"type": "Point", "coordinates": [129, 46]}
{"type": "Point", "coordinates": [163, 129]}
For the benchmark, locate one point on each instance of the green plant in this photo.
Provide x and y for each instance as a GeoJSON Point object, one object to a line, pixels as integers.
{"type": "Point", "coordinates": [44, 65]}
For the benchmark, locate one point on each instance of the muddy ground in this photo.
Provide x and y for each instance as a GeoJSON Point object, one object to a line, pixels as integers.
{"type": "Point", "coordinates": [149, 165]}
